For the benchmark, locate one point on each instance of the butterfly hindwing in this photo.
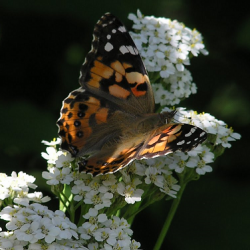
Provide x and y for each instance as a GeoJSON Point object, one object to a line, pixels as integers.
{"type": "Point", "coordinates": [167, 139]}
{"type": "Point", "coordinates": [170, 138]}
{"type": "Point", "coordinates": [110, 162]}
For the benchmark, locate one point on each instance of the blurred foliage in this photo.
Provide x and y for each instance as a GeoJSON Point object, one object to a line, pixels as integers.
{"type": "Point", "coordinates": [42, 46]}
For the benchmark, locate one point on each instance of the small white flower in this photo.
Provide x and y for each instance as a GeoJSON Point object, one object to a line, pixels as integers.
{"type": "Point", "coordinates": [178, 161]}
{"type": "Point", "coordinates": [63, 160]}
{"type": "Point", "coordinates": [169, 186]}
{"type": "Point", "coordinates": [106, 234]}
{"type": "Point", "coordinates": [99, 200]}
{"type": "Point", "coordinates": [50, 231]}
{"type": "Point", "coordinates": [94, 213]}
{"type": "Point", "coordinates": [93, 246]}
{"type": "Point", "coordinates": [134, 245]}
{"type": "Point", "coordinates": [52, 155]}
{"type": "Point", "coordinates": [52, 143]}
{"type": "Point", "coordinates": [9, 241]}
{"type": "Point", "coordinates": [38, 197]}
{"type": "Point", "coordinates": [167, 69]}
{"type": "Point", "coordinates": [108, 180]}
{"type": "Point", "coordinates": [29, 232]}
{"type": "Point", "coordinates": [123, 238]}
{"type": "Point", "coordinates": [131, 194]}
{"type": "Point", "coordinates": [202, 168]}
{"type": "Point", "coordinates": [80, 190]}
{"type": "Point", "coordinates": [56, 176]}
{"type": "Point", "coordinates": [153, 176]}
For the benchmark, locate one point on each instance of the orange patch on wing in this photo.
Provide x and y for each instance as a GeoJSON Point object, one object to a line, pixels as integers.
{"type": "Point", "coordinates": [154, 140]}
{"type": "Point", "coordinates": [138, 93]}
{"type": "Point", "coordinates": [117, 91]}
{"type": "Point", "coordinates": [94, 82]}
{"type": "Point", "coordinates": [135, 77]}
{"type": "Point", "coordinates": [117, 66]}
{"type": "Point", "coordinates": [118, 77]}
{"type": "Point", "coordinates": [171, 138]}
{"type": "Point", "coordinates": [147, 151]}
{"type": "Point", "coordinates": [160, 146]}
{"type": "Point", "coordinates": [127, 65]}
{"type": "Point", "coordinates": [171, 130]}
{"type": "Point", "coordinates": [102, 115]}
{"type": "Point", "coordinates": [102, 70]}
{"type": "Point", "coordinates": [93, 101]}
{"type": "Point", "coordinates": [71, 133]}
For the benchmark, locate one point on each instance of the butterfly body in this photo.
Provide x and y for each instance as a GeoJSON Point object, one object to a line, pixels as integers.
{"type": "Point", "coordinates": [111, 116]}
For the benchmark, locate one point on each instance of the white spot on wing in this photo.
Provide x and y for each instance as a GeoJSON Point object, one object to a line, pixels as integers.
{"type": "Point", "coordinates": [108, 37]}
{"type": "Point", "coordinates": [131, 50]}
{"type": "Point", "coordinates": [113, 31]}
{"type": "Point", "coordinates": [188, 134]}
{"type": "Point", "coordinates": [203, 133]}
{"type": "Point", "coordinates": [180, 142]}
{"type": "Point", "coordinates": [122, 29]}
{"type": "Point", "coordinates": [193, 130]}
{"type": "Point", "coordinates": [124, 49]}
{"type": "Point", "coordinates": [108, 47]}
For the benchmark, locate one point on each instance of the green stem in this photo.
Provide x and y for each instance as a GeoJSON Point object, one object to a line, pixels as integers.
{"type": "Point", "coordinates": [169, 218]}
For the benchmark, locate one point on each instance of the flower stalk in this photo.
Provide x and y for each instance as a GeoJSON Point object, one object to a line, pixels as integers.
{"type": "Point", "coordinates": [169, 219]}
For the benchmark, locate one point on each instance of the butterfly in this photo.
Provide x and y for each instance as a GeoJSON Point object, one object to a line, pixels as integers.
{"type": "Point", "coordinates": [111, 118]}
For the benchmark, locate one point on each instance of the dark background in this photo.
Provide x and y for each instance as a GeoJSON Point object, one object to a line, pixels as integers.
{"type": "Point", "coordinates": [42, 46]}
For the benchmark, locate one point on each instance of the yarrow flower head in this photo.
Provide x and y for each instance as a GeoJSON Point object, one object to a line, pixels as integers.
{"type": "Point", "coordinates": [36, 222]}
{"type": "Point", "coordinates": [17, 188]}
{"type": "Point", "coordinates": [111, 233]}
{"type": "Point", "coordinates": [166, 47]}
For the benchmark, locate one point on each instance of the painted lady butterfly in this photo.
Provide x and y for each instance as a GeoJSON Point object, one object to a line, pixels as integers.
{"type": "Point", "coordinates": [110, 117]}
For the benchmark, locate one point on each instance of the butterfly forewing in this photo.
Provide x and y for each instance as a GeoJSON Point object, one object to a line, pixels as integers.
{"type": "Point", "coordinates": [114, 70]}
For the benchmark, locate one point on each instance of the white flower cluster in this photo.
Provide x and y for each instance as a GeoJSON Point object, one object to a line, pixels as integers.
{"type": "Point", "coordinates": [166, 47]}
{"type": "Point", "coordinates": [197, 158]}
{"type": "Point", "coordinates": [36, 227]}
{"type": "Point", "coordinates": [17, 188]}
{"type": "Point", "coordinates": [107, 233]}
{"type": "Point", "coordinates": [99, 192]}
